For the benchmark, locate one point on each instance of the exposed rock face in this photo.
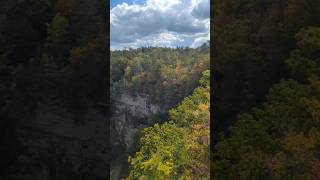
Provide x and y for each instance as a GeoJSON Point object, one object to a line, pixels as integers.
{"type": "Point", "coordinates": [130, 116]}
{"type": "Point", "coordinates": [55, 142]}
{"type": "Point", "coordinates": [57, 145]}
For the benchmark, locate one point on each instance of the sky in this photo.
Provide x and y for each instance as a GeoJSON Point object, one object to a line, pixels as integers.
{"type": "Point", "coordinates": [162, 23]}
{"type": "Point", "coordinates": [114, 3]}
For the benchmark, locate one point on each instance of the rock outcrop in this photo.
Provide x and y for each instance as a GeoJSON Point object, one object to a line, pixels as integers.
{"type": "Point", "coordinates": [54, 141]}
{"type": "Point", "coordinates": [129, 116]}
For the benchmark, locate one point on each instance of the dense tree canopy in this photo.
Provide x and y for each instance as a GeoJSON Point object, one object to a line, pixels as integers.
{"type": "Point", "coordinates": [178, 148]}
{"type": "Point", "coordinates": [266, 96]}
{"type": "Point", "coordinates": [51, 52]}
{"type": "Point", "coordinates": [163, 77]}
{"type": "Point", "coordinates": [167, 75]}
{"type": "Point", "coordinates": [252, 42]}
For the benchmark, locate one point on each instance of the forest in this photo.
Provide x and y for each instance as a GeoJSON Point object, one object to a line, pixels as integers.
{"type": "Point", "coordinates": [54, 104]}
{"type": "Point", "coordinates": [266, 101]}
{"type": "Point", "coordinates": [265, 89]}
{"type": "Point", "coordinates": [178, 148]}
{"type": "Point", "coordinates": [175, 81]}
{"type": "Point", "coordinates": [54, 72]}
{"type": "Point", "coordinates": [166, 74]}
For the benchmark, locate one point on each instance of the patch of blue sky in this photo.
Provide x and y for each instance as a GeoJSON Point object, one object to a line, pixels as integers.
{"type": "Point", "coordinates": [114, 3]}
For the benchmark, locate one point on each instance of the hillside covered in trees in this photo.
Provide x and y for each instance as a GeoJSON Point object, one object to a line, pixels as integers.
{"type": "Point", "coordinates": [166, 74]}
{"type": "Point", "coordinates": [178, 148]}
{"type": "Point", "coordinates": [145, 84]}
{"type": "Point", "coordinates": [54, 74]}
{"type": "Point", "coordinates": [266, 93]}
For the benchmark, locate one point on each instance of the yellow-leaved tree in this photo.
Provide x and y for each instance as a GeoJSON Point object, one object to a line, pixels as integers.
{"type": "Point", "coordinates": [178, 148]}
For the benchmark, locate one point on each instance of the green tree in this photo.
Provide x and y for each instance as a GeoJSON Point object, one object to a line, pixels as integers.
{"type": "Point", "coordinates": [179, 148]}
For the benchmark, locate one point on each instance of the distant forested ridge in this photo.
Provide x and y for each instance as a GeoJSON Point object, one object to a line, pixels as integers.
{"type": "Point", "coordinates": [165, 74]}
{"type": "Point", "coordinates": [266, 93]}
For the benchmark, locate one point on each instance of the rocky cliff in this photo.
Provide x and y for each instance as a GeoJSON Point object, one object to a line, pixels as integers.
{"type": "Point", "coordinates": [56, 146]}
{"type": "Point", "coordinates": [129, 116]}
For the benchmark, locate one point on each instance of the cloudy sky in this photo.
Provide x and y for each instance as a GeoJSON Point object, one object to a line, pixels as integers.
{"type": "Point", "coordinates": [170, 23]}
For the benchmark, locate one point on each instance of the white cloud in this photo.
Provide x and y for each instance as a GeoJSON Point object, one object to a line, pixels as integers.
{"type": "Point", "coordinates": [160, 23]}
{"type": "Point", "coordinates": [201, 9]}
{"type": "Point", "coordinates": [199, 41]}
